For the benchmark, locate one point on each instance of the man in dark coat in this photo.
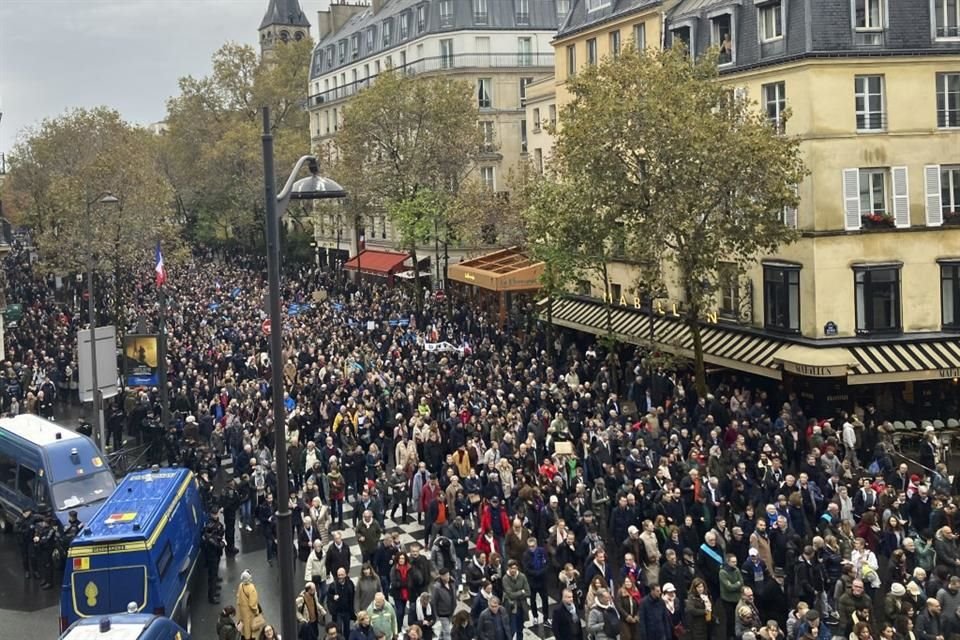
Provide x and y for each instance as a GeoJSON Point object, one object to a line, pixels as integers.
{"type": "Point", "coordinates": [340, 601]}
{"type": "Point", "coordinates": [338, 555]}
{"type": "Point", "coordinates": [566, 620]}
{"type": "Point", "coordinates": [493, 623]}
{"type": "Point", "coordinates": [654, 619]}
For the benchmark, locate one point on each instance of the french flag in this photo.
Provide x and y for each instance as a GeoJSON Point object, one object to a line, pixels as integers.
{"type": "Point", "coordinates": [160, 269]}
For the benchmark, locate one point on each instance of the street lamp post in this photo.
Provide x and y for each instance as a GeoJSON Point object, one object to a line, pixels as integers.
{"type": "Point", "coordinates": [101, 435]}
{"type": "Point", "coordinates": [313, 188]}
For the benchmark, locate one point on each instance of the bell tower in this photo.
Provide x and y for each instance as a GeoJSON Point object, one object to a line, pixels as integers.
{"type": "Point", "coordinates": [284, 21]}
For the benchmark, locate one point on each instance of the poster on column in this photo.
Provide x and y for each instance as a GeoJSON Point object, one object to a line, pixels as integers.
{"type": "Point", "coordinates": [141, 355]}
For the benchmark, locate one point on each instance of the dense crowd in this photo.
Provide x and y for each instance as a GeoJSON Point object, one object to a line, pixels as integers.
{"type": "Point", "coordinates": [561, 469]}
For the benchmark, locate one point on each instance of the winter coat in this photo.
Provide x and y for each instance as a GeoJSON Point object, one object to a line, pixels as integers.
{"type": "Point", "coordinates": [516, 591]}
{"type": "Point", "coordinates": [599, 619]}
{"type": "Point", "coordinates": [655, 620]}
{"type": "Point", "coordinates": [248, 606]}
{"type": "Point", "coordinates": [314, 567]}
{"type": "Point", "coordinates": [367, 588]}
{"type": "Point", "coordinates": [695, 619]}
{"type": "Point", "coordinates": [489, 621]}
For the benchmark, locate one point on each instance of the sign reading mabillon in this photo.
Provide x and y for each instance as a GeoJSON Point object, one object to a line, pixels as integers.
{"type": "Point", "coordinates": [815, 371]}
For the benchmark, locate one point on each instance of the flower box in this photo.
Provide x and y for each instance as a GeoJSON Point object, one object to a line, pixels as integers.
{"type": "Point", "coordinates": [877, 221]}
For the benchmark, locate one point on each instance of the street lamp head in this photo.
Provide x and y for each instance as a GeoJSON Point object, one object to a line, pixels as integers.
{"type": "Point", "coordinates": [316, 187]}
{"type": "Point", "coordinates": [109, 198]}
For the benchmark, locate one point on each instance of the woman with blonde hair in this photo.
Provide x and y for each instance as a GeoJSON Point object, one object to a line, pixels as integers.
{"type": "Point", "coordinates": [506, 476]}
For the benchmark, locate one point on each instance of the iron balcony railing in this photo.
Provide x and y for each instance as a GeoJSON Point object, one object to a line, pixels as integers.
{"type": "Point", "coordinates": [442, 63]}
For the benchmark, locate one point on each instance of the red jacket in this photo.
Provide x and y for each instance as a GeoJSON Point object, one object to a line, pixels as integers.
{"type": "Point", "coordinates": [487, 546]}
{"type": "Point", "coordinates": [486, 520]}
{"type": "Point", "coordinates": [427, 495]}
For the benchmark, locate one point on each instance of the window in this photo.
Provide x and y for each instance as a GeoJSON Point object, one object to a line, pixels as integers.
{"type": "Point", "coordinates": [593, 5]}
{"type": "Point", "coordinates": [523, 11]}
{"type": "Point", "coordinates": [376, 67]}
{"type": "Point", "coordinates": [584, 288]}
{"type": "Point", "coordinates": [387, 31]}
{"type": "Point", "coordinates": [563, 8]}
{"type": "Point", "coordinates": [682, 34]}
{"type": "Point", "coordinates": [947, 18]}
{"type": "Point", "coordinates": [446, 13]}
{"type": "Point", "coordinates": [163, 562]}
{"type": "Point", "coordinates": [775, 102]}
{"type": "Point", "coordinates": [342, 51]}
{"type": "Point", "coordinates": [421, 18]}
{"type": "Point", "coordinates": [538, 159]}
{"type": "Point", "coordinates": [950, 294]}
{"type": "Point", "coordinates": [868, 15]}
{"type": "Point", "coordinates": [355, 45]}
{"type": "Point", "coordinates": [721, 35]}
{"type": "Point", "coordinates": [781, 297]}
{"type": "Point", "coordinates": [353, 79]}
{"type": "Point", "coordinates": [366, 73]}
{"type": "Point", "coordinates": [873, 192]}
{"type": "Point", "coordinates": [523, 136]}
{"type": "Point", "coordinates": [616, 291]}
{"type": "Point", "coordinates": [770, 17]}
{"type": "Point", "coordinates": [403, 60]}
{"type": "Point", "coordinates": [480, 15]}
{"type": "Point", "coordinates": [486, 128]}
{"type": "Point", "coordinates": [948, 99]}
{"type": "Point", "coordinates": [640, 36]}
{"type": "Point", "coordinates": [446, 53]}
{"type": "Point", "coordinates": [615, 43]}
{"type": "Point", "coordinates": [284, 36]}
{"type": "Point", "coordinates": [26, 482]}
{"type": "Point", "coordinates": [329, 56]}
{"type": "Point", "coordinates": [523, 90]}
{"type": "Point", "coordinates": [8, 470]}
{"type": "Point", "coordinates": [571, 60]}
{"type": "Point", "coordinates": [371, 38]}
{"type": "Point", "coordinates": [592, 51]}
{"type": "Point", "coordinates": [487, 175]}
{"type": "Point", "coordinates": [484, 101]}
{"type": "Point", "coordinates": [728, 281]}
{"type": "Point", "coordinates": [525, 52]}
{"type": "Point", "coordinates": [869, 102]}
{"type": "Point", "coordinates": [536, 120]}
{"type": "Point", "coordinates": [877, 298]}
{"type": "Point", "coordinates": [404, 25]}
{"type": "Point", "coordinates": [553, 115]}
{"type": "Point", "coordinates": [950, 191]}
{"type": "Point", "coordinates": [336, 120]}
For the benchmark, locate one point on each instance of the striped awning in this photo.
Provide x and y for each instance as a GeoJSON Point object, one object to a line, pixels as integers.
{"type": "Point", "coordinates": [722, 345]}
{"type": "Point", "coordinates": [907, 361]}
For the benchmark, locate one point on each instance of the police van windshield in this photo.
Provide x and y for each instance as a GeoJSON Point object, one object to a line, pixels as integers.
{"type": "Point", "coordinates": [83, 491]}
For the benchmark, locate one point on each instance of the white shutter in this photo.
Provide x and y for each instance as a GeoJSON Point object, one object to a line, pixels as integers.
{"type": "Point", "coordinates": [931, 181]}
{"type": "Point", "coordinates": [790, 213]}
{"type": "Point", "coordinates": [901, 197]}
{"type": "Point", "coordinates": [851, 199]}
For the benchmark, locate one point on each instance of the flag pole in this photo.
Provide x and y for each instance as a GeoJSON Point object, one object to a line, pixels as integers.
{"type": "Point", "coordinates": [162, 345]}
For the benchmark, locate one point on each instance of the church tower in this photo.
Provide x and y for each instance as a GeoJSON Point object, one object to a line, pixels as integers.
{"type": "Point", "coordinates": [283, 21]}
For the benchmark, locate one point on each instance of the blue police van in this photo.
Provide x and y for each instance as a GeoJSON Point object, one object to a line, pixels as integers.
{"type": "Point", "coordinates": [45, 466]}
{"type": "Point", "coordinates": [125, 626]}
{"type": "Point", "coordinates": [141, 547]}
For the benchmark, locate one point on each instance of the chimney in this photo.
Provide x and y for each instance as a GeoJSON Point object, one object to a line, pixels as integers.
{"type": "Point", "coordinates": [342, 12]}
{"type": "Point", "coordinates": [324, 25]}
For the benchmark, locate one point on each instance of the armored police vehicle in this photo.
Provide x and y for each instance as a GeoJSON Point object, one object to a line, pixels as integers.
{"type": "Point", "coordinates": [125, 626]}
{"type": "Point", "coordinates": [142, 546]}
{"type": "Point", "coordinates": [44, 466]}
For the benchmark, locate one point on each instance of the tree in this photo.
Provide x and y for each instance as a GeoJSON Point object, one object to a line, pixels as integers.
{"type": "Point", "coordinates": [695, 173]}
{"type": "Point", "coordinates": [211, 152]}
{"type": "Point", "coordinates": [64, 169]}
{"type": "Point", "coordinates": [403, 136]}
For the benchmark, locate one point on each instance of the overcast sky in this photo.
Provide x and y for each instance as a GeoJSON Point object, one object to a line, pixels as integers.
{"type": "Point", "coordinates": [126, 54]}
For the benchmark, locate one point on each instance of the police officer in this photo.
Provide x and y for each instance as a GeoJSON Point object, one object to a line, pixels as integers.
{"type": "Point", "coordinates": [72, 529]}
{"type": "Point", "coordinates": [46, 538]}
{"type": "Point", "coordinates": [212, 550]}
{"type": "Point", "coordinates": [230, 502]}
{"type": "Point", "coordinates": [24, 530]}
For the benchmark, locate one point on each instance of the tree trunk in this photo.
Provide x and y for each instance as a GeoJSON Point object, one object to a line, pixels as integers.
{"type": "Point", "coordinates": [608, 301]}
{"type": "Point", "coordinates": [417, 289]}
{"type": "Point", "coordinates": [700, 374]}
{"type": "Point", "coordinates": [551, 356]}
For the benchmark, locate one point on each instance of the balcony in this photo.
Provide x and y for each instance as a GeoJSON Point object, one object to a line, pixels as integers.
{"type": "Point", "coordinates": [434, 64]}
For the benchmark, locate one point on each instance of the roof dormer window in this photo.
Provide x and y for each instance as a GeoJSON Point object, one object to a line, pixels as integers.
{"type": "Point", "coordinates": [405, 25]}
{"type": "Point", "coordinates": [387, 33]}
{"type": "Point", "coordinates": [342, 51]}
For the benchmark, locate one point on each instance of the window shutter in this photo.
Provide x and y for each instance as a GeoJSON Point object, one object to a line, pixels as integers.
{"type": "Point", "coordinates": [931, 180]}
{"type": "Point", "coordinates": [851, 199]}
{"type": "Point", "coordinates": [901, 197]}
{"type": "Point", "coordinates": [790, 213]}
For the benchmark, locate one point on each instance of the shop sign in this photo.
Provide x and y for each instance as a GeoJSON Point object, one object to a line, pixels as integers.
{"type": "Point", "coordinates": [660, 307]}
{"type": "Point", "coordinates": [830, 329]}
{"type": "Point", "coordinates": [953, 372]}
{"type": "Point", "coordinates": [815, 371]}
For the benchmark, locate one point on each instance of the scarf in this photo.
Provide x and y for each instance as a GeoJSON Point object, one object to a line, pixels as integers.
{"type": "Point", "coordinates": [707, 549]}
{"type": "Point", "coordinates": [423, 612]}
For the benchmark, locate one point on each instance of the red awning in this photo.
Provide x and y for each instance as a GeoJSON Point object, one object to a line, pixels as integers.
{"type": "Point", "coordinates": [383, 262]}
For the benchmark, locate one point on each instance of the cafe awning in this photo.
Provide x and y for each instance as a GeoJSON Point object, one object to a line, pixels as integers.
{"type": "Point", "coordinates": [828, 362]}
{"type": "Point", "coordinates": [937, 359]}
{"type": "Point", "coordinates": [378, 262]}
{"type": "Point", "coordinates": [505, 270]}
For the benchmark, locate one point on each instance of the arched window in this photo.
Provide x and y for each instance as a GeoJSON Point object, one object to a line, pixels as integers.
{"type": "Point", "coordinates": [284, 36]}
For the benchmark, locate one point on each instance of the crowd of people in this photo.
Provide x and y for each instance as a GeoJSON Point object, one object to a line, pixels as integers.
{"type": "Point", "coordinates": [542, 471]}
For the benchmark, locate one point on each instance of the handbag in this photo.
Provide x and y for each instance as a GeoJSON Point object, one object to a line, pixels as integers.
{"type": "Point", "coordinates": [258, 622]}
{"type": "Point", "coordinates": [679, 631]}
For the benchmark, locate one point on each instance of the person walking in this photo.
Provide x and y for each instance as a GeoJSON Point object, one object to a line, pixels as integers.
{"type": "Point", "coordinates": [383, 617]}
{"type": "Point", "coordinates": [603, 621]}
{"type": "Point", "coordinates": [248, 607]}
{"type": "Point", "coordinates": [310, 613]}
{"type": "Point", "coordinates": [494, 623]}
{"type": "Point", "coordinates": [516, 591]}
{"type": "Point", "coordinates": [340, 601]}
{"type": "Point", "coordinates": [566, 619]}
{"type": "Point", "coordinates": [444, 600]}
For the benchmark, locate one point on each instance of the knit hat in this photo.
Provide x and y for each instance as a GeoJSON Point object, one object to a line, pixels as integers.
{"type": "Point", "coordinates": [897, 589]}
{"type": "Point", "coordinates": [246, 576]}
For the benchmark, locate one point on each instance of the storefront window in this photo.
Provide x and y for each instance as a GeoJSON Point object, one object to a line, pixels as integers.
{"type": "Point", "coordinates": [950, 294]}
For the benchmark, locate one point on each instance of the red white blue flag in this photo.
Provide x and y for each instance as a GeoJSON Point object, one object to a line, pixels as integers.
{"type": "Point", "coordinates": [161, 271]}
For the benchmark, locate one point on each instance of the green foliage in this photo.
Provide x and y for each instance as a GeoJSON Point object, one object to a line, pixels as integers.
{"type": "Point", "coordinates": [654, 142]}
{"type": "Point", "coordinates": [211, 152]}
